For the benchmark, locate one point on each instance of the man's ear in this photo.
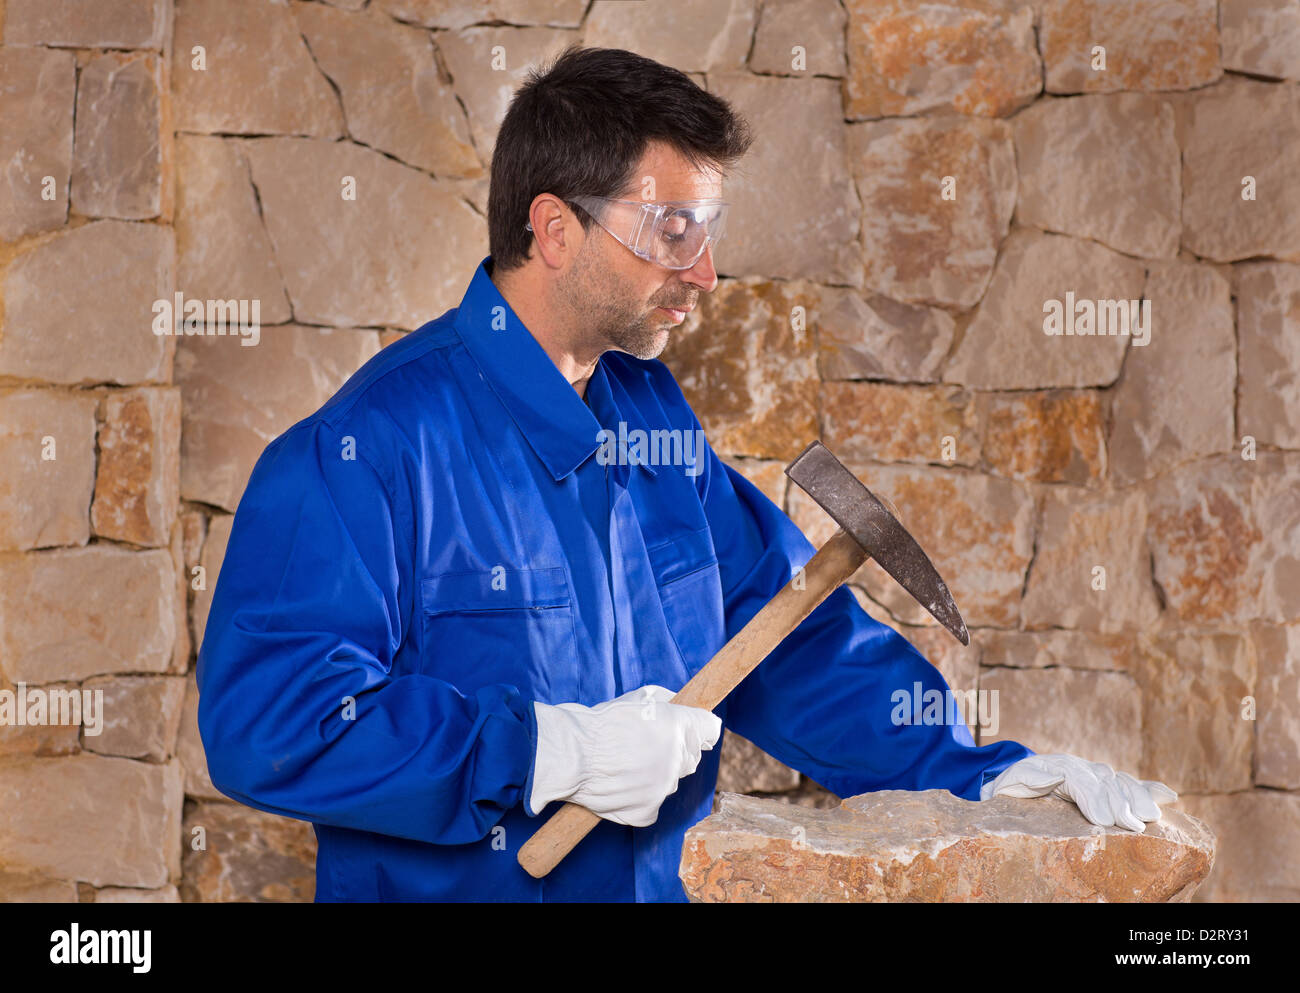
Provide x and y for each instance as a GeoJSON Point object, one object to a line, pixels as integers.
{"type": "Point", "coordinates": [557, 233]}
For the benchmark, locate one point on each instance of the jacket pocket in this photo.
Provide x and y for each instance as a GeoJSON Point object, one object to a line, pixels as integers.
{"type": "Point", "coordinates": [690, 591]}
{"type": "Point", "coordinates": [511, 626]}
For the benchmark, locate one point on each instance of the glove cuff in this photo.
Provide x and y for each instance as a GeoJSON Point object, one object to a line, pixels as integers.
{"type": "Point", "coordinates": [558, 762]}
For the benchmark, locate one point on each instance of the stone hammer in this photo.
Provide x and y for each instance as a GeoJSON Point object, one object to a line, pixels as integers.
{"type": "Point", "coordinates": [868, 530]}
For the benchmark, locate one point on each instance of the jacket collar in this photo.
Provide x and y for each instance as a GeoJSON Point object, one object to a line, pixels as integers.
{"type": "Point", "coordinates": [559, 427]}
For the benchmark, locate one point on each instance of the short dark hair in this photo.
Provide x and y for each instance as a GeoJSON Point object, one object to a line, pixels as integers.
{"type": "Point", "coordinates": [582, 125]}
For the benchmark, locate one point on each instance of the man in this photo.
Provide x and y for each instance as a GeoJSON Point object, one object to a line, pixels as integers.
{"type": "Point", "coordinates": [452, 598]}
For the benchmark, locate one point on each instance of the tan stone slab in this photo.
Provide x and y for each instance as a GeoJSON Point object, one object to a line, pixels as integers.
{"type": "Point", "coordinates": [768, 475]}
{"type": "Point", "coordinates": [933, 847]}
{"type": "Point", "coordinates": [1259, 834]}
{"type": "Point", "coordinates": [47, 446]}
{"type": "Point", "coordinates": [189, 747]}
{"type": "Point", "coordinates": [236, 399]}
{"type": "Point", "coordinates": [908, 57]}
{"type": "Point", "coordinates": [1277, 733]}
{"type": "Point", "coordinates": [214, 551]}
{"type": "Point", "coordinates": [746, 768]}
{"type": "Point", "coordinates": [222, 249]}
{"type": "Point", "coordinates": [180, 604]}
{"type": "Point", "coordinates": [815, 26]}
{"type": "Point", "coordinates": [141, 715]}
{"type": "Point", "coordinates": [37, 88]}
{"type": "Point", "coordinates": [1198, 736]}
{"type": "Point", "coordinates": [685, 34]}
{"type": "Point", "coordinates": [1268, 334]}
{"type": "Point", "coordinates": [194, 528]}
{"type": "Point", "coordinates": [258, 75]}
{"type": "Point", "coordinates": [1005, 346]}
{"type": "Point", "coordinates": [77, 24]}
{"type": "Point", "coordinates": [1203, 535]}
{"type": "Point", "coordinates": [1261, 37]}
{"type": "Point", "coordinates": [1149, 44]}
{"type": "Point", "coordinates": [1176, 398]}
{"type": "Point", "coordinates": [37, 740]}
{"type": "Point", "coordinates": [937, 198]}
{"type": "Point", "coordinates": [471, 56]}
{"type": "Point", "coordinates": [1094, 715]}
{"type": "Point", "coordinates": [749, 376]}
{"type": "Point", "coordinates": [1055, 648]}
{"type": "Point", "coordinates": [1233, 131]}
{"type": "Point", "coordinates": [23, 887]}
{"type": "Point", "coordinates": [1276, 501]}
{"type": "Point", "coordinates": [117, 168]}
{"type": "Point", "coordinates": [1083, 533]}
{"type": "Point", "coordinates": [105, 821]}
{"type": "Point", "coordinates": [1044, 436]}
{"type": "Point", "coordinates": [810, 230]}
{"type": "Point", "coordinates": [883, 422]}
{"type": "Point", "coordinates": [399, 254]}
{"type": "Point", "coordinates": [441, 14]}
{"type": "Point", "coordinates": [137, 481]}
{"type": "Point", "coordinates": [121, 618]}
{"type": "Point", "coordinates": [976, 529]}
{"type": "Point", "coordinates": [109, 274]}
{"type": "Point", "coordinates": [1083, 163]}
{"type": "Point", "coordinates": [874, 337]}
{"type": "Point", "coordinates": [120, 894]}
{"type": "Point", "coordinates": [393, 97]}
{"type": "Point", "coordinates": [248, 856]}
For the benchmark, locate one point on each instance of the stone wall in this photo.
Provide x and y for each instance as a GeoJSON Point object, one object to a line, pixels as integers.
{"type": "Point", "coordinates": [925, 178]}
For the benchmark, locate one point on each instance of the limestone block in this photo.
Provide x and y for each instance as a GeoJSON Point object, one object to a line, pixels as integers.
{"type": "Point", "coordinates": [901, 846]}
{"type": "Point", "coordinates": [1149, 44]}
{"type": "Point", "coordinates": [248, 856]}
{"type": "Point", "coordinates": [47, 446]}
{"type": "Point", "coordinates": [137, 482]}
{"type": "Point", "coordinates": [37, 88]}
{"type": "Point", "coordinates": [908, 57]}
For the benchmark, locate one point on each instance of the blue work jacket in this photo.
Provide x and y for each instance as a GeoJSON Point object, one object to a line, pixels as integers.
{"type": "Point", "coordinates": [451, 537]}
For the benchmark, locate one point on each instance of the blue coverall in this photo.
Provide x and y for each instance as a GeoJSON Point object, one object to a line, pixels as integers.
{"type": "Point", "coordinates": [439, 545]}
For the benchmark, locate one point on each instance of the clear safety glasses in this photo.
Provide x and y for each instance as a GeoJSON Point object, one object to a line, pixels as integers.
{"type": "Point", "coordinates": [672, 234]}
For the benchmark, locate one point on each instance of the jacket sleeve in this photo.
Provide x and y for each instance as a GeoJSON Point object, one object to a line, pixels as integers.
{"type": "Point", "coordinates": [300, 710]}
{"type": "Point", "coordinates": [821, 702]}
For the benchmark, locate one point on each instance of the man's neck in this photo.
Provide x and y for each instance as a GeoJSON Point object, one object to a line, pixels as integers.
{"type": "Point", "coordinates": [527, 299]}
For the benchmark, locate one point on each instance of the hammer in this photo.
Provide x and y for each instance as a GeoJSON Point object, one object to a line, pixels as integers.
{"type": "Point", "coordinates": [867, 530]}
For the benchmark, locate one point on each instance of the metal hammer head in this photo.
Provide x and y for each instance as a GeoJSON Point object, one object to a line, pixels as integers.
{"type": "Point", "coordinates": [863, 516]}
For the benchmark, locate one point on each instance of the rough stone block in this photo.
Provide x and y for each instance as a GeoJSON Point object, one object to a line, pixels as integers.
{"type": "Point", "coordinates": [108, 274]}
{"type": "Point", "coordinates": [37, 91]}
{"type": "Point", "coordinates": [900, 846]}
{"type": "Point", "coordinates": [248, 856]}
{"type": "Point", "coordinates": [47, 446]}
{"type": "Point", "coordinates": [908, 57]}
{"type": "Point", "coordinates": [138, 480]}
{"type": "Point", "coordinates": [68, 614]}
{"type": "Point", "coordinates": [104, 821]}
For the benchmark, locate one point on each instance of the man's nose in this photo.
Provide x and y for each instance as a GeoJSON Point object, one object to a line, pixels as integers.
{"type": "Point", "coordinates": [702, 274]}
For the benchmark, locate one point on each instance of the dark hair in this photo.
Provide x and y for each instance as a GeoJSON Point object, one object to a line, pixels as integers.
{"type": "Point", "coordinates": [582, 125]}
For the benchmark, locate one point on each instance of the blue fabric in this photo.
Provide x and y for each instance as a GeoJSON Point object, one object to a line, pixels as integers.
{"type": "Point", "coordinates": [439, 545]}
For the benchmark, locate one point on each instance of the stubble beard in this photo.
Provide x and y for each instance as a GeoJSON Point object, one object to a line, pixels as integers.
{"type": "Point", "coordinates": [591, 295]}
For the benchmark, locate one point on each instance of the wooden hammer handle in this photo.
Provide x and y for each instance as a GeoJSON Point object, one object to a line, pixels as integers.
{"type": "Point", "coordinates": [834, 562]}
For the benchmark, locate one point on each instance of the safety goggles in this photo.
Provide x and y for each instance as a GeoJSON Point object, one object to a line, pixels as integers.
{"type": "Point", "coordinates": [673, 234]}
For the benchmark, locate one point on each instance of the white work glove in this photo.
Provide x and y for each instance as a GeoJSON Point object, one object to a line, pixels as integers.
{"type": "Point", "coordinates": [621, 758]}
{"type": "Point", "coordinates": [1105, 797]}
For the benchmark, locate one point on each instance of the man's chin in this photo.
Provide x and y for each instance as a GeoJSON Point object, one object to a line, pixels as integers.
{"type": "Point", "coordinates": [645, 348]}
